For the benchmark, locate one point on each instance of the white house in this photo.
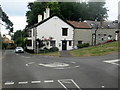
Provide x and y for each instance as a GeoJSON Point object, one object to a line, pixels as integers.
{"type": "Point", "coordinates": [54, 31]}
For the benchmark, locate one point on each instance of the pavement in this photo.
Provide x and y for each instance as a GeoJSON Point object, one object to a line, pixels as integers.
{"type": "Point", "coordinates": [26, 71]}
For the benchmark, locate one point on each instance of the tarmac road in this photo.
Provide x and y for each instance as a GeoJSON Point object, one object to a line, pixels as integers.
{"type": "Point", "coordinates": [23, 70]}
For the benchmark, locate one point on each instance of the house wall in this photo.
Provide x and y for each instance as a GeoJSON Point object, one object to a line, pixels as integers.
{"type": "Point", "coordinates": [32, 38]}
{"type": "Point", "coordinates": [102, 38]}
{"type": "Point", "coordinates": [53, 28]}
{"type": "Point", "coordinates": [84, 35]}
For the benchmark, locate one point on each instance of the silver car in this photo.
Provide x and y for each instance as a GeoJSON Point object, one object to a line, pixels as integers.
{"type": "Point", "coordinates": [19, 50]}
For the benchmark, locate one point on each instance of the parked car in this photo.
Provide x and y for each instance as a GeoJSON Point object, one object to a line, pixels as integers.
{"type": "Point", "coordinates": [19, 50]}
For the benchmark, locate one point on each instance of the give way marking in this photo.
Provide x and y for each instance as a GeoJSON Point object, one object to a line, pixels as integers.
{"type": "Point", "coordinates": [69, 84]}
{"type": "Point", "coordinates": [115, 62]}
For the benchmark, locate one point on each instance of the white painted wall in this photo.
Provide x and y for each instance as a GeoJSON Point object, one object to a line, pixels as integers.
{"type": "Point", "coordinates": [53, 28]}
{"type": "Point", "coordinates": [31, 38]}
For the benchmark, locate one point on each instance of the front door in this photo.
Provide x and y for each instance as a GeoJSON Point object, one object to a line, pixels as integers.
{"type": "Point", "coordinates": [64, 45]}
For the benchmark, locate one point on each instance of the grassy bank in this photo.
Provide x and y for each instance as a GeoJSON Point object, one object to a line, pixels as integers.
{"type": "Point", "coordinates": [104, 49]}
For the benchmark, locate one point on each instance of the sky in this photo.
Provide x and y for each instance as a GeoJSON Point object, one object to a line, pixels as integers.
{"type": "Point", "coordinates": [16, 11]}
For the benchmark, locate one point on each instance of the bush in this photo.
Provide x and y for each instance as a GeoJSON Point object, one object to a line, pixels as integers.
{"type": "Point", "coordinates": [44, 50]}
{"type": "Point", "coordinates": [54, 49]}
{"type": "Point", "coordinates": [83, 45]}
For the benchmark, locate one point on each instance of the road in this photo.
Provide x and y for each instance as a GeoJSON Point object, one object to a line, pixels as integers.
{"type": "Point", "coordinates": [23, 70]}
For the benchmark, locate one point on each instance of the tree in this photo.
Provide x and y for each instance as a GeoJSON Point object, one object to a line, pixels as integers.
{"type": "Point", "coordinates": [97, 10]}
{"type": "Point", "coordinates": [67, 10]}
{"type": "Point", "coordinates": [5, 19]}
{"type": "Point", "coordinates": [19, 38]}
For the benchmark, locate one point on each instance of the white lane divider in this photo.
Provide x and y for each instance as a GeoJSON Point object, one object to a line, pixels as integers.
{"type": "Point", "coordinates": [48, 81]}
{"type": "Point", "coordinates": [23, 82]}
{"type": "Point", "coordinates": [35, 82]}
{"type": "Point", "coordinates": [9, 83]}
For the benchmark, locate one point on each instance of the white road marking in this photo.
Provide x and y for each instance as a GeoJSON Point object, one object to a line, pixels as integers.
{"type": "Point", "coordinates": [48, 81]}
{"type": "Point", "coordinates": [75, 84]}
{"type": "Point", "coordinates": [54, 64]}
{"type": "Point", "coordinates": [112, 61]}
{"type": "Point", "coordinates": [25, 57]}
{"type": "Point", "coordinates": [62, 84]}
{"type": "Point", "coordinates": [73, 62]}
{"type": "Point", "coordinates": [68, 81]}
{"type": "Point", "coordinates": [9, 83]}
{"type": "Point", "coordinates": [35, 81]}
{"type": "Point", "coordinates": [23, 82]}
{"type": "Point", "coordinates": [29, 63]}
{"type": "Point", "coordinates": [102, 86]}
{"type": "Point", "coordinates": [16, 54]}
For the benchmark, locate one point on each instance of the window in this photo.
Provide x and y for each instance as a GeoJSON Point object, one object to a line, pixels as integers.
{"type": "Point", "coordinates": [79, 42]}
{"type": "Point", "coordinates": [29, 42]}
{"type": "Point", "coordinates": [109, 37]}
{"type": "Point", "coordinates": [29, 33]}
{"type": "Point", "coordinates": [70, 43]}
{"type": "Point", "coordinates": [52, 43]}
{"type": "Point", "coordinates": [105, 36]}
{"type": "Point", "coordinates": [64, 31]}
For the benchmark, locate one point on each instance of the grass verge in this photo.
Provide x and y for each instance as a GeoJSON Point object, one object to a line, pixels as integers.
{"type": "Point", "coordinates": [50, 54]}
{"type": "Point", "coordinates": [100, 50]}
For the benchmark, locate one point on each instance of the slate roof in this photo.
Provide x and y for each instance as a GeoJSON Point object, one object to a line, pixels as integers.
{"type": "Point", "coordinates": [105, 24]}
{"type": "Point", "coordinates": [74, 24]}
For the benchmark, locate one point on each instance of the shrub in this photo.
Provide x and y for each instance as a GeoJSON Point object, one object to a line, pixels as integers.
{"type": "Point", "coordinates": [82, 45]}
{"type": "Point", "coordinates": [54, 49]}
{"type": "Point", "coordinates": [44, 50]}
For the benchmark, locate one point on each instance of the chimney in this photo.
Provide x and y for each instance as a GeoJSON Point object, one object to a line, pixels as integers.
{"type": "Point", "coordinates": [39, 18]}
{"type": "Point", "coordinates": [47, 12]}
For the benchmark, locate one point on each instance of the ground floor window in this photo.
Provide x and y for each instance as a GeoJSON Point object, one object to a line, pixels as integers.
{"type": "Point", "coordinates": [29, 42]}
{"type": "Point", "coordinates": [79, 42]}
{"type": "Point", "coordinates": [70, 43]}
{"type": "Point", "coordinates": [52, 43]}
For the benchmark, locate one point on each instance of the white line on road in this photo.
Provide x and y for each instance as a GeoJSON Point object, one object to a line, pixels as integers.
{"type": "Point", "coordinates": [25, 57]}
{"type": "Point", "coordinates": [35, 81]}
{"type": "Point", "coordinates": [48, 81]}
{"type": "Point", "coordinates": [73, 62]}
{"type": "Point", "coordinates": [112, 61]}
{"type": "Point", "coordinates": [9, 83]}
{"type": "Point", "coordinates": [62, 84]}
{"type": "Point", "coordinates": [75, 84]}
{"type": "Point", "coordinates": [23, 82]}
{"type": "Point", "coordinates": [68, 81]}
{"type": "Point", "coordinates": [29, 63]}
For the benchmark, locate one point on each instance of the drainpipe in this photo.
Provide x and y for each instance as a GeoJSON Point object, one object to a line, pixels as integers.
{"type": "Point", "coordinates": [95, 35]}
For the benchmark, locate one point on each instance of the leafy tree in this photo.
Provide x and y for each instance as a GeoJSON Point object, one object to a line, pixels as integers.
{"type": "Point", "coordinates": [5, 19]}
{"type": "Point", "coordinates": [68, 10]}
{"type": "Point", "coordinates": [97, 11]}
{"type": "Point", "coordinates": [19, 38]}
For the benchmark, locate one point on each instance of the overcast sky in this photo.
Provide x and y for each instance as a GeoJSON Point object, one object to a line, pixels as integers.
{"type": "Point", "coordinates": [16, 11]}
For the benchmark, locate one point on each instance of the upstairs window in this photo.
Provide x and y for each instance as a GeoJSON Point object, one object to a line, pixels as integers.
{"type": "Point", "coordinates": [29, 33]}
{"type": "Point", "coordinates": [64, 31]}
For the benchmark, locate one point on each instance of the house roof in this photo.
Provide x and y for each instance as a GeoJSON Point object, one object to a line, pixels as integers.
{"type": "Point", "coordinates": [74, 24]}
{"type": "Point", "coordinates": [82, 25]}
{"type": "Point", "coordinates": [105, 24]}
